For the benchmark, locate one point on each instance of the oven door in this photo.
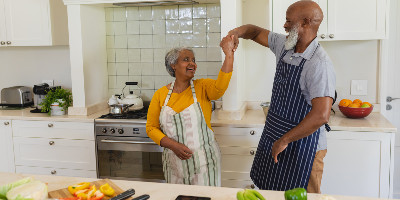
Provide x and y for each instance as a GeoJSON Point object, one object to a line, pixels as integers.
{"type": "Point", "coordinates": [129, 158]}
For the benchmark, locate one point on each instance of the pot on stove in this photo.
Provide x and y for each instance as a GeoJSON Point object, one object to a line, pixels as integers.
{"type": "Point", "coordinates": [119, 109]}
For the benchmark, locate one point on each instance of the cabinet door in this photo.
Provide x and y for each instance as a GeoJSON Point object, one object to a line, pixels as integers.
{"type": "Point", "coordinates": [3, 36]}
{"type": "Point", "coordinates": [279, 15]}
{"type": "Point", "coordinates": [56, 153]}
{"type": "Point", "coordinates": [356, 19]}
{"type": "Point", "coordinates": [6, 147]}
{"type": "Point", "coordinates": [357, 164]}
{"type": "Point", "coordinates": [28, 22]}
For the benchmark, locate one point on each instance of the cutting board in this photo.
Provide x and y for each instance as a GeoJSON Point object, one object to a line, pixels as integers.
{"type": "Point", "coordinates": [64, 193]}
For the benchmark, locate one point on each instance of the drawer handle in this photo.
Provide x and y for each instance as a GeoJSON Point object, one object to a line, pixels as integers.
{"type": "Point", "coordinates": [53, 172]}
{"type": "Point", "coordinates": [252, 186]}
{"type": "Point", "coordinates": [50, 125]}
{"type": "Point", "coordinates": [251, 152]}
{"type": "Point", "coordinates": [6, 123]}
{"type": "Point", "coordinates": [51, 143]}
{"type": "Point", "coordinates": [252, 132]}
{"type": "Point", "coordinates": [8, 42]}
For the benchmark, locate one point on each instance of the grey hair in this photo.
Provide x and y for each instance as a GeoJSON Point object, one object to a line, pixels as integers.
{"type": "Point", "coordinates": [171, 58]}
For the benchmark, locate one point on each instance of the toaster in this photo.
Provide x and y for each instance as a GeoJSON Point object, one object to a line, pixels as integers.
{"type": "Point", "coordinates": [17, 96]}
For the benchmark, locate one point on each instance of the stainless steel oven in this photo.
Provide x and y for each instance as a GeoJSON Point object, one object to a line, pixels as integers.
{"type": "Point", "coordinates": [124, 151]}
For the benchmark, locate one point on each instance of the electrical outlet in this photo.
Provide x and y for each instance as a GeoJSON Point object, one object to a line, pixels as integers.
{"type": "Point", "coordinates": [359, 87]}
{"type": "Point", "coordinates": [50, 82]}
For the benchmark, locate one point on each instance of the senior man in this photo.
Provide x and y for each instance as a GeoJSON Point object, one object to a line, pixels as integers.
{"type": "Point", "coordinates": [293, 144]}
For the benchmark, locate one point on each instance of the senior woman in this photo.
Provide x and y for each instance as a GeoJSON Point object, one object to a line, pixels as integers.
{"type": "Point", "coordinates": [179, 118]}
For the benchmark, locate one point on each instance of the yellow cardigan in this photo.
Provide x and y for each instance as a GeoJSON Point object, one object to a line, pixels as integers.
{"type": "Point", "coordinates": [206, 90]}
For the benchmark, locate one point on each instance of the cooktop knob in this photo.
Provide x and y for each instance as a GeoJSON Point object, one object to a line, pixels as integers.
{"type": "Point", "coordinates": [112, 130]}
{"type": "Point", "coordinates": [120, 131]}
{"type": "Point", "coordinates": [104, 130]}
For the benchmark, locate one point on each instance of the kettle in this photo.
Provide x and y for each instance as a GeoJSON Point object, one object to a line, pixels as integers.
{"type": "Point", "coordinates": [132, 99]}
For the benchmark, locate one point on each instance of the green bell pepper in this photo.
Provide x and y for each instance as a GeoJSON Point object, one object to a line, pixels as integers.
{"type": "Point", "coordinates": [296, 194]}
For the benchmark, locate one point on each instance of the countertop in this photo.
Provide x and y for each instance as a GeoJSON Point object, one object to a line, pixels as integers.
{"type": "Point", "coordinates": [375, 122]}
{"type": "Point", "coordinates": [161, 191]}
{"type": "Point", "coordinates": [25, 114]}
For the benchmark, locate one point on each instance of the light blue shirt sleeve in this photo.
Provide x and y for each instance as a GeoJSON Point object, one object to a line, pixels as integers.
{"type": "Point", "coordinates": [276, 42]}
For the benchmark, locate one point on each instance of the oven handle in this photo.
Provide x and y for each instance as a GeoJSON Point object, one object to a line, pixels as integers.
{"type": "Point", "coordinates": [128, 142]}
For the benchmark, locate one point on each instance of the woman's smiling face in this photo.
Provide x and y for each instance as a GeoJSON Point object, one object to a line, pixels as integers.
{"type": "Point", "coordinates": [186, 66]}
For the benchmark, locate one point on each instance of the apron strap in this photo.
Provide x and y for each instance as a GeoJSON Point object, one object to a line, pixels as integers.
{"type": "Point", "coordinates": [172, 87]}
{"type": "Point", "coordinates": [169, 93]}
{"type": "Point", "coordinates": [193, 91]}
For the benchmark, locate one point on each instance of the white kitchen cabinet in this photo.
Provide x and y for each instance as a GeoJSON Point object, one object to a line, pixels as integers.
{"type": "Point", "coordinates": [6, 147]}
{"type": "Point", "coordinates": [359, 164]}
{"type": "Point", "coordinates": [343, 20]}
{"type": "Point", "coordinates": [33, 23]}
{"type": "Point", "coordinates": [57, 148]}
{"type": "Point", "coordinates": [238, 147]}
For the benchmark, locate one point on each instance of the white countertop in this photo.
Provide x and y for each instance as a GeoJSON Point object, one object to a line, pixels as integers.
{"type": "Point", "coordinates": [161, 191]}
{"type": "Point", "coordinates": [25, 114]}
{"type": "Point", "coordinates": [375, 122]}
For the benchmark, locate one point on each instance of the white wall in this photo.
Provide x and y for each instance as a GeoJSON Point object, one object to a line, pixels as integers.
{"type": "Point", "coordinates": [353, 60]}
{"type": "Point", "coordinates": [28, 66]}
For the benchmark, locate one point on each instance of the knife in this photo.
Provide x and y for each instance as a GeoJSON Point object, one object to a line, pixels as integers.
{"type": "Point", "coordinates": [124, 195]}
{"type": "Point", "coordinates": [143, 197]}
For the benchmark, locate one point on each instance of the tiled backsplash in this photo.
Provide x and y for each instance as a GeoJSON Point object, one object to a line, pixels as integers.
{"type": "Point", "coordinates": [139, 37]}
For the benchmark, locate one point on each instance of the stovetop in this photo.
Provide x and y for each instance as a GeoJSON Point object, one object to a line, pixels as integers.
{"type": "Point", "coordinates": [137, 114]}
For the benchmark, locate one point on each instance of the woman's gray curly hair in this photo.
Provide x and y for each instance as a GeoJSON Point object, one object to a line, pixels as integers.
{"type": "Point", "coordinates": [171, 58]}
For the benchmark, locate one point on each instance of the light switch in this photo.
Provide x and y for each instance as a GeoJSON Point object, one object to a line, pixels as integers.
{"type": "Point", "coordinates": [359, 87]}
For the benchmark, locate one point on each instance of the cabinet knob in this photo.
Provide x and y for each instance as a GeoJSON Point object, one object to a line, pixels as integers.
{"type": "Point", "coordinates": [8, 42]}
{"type": "Point", "coordinates": [331, 36]}
{"type": "Point", "coordinates": [2, 43]}
{"type": "Point", "coordinates": [50, 125]}
{"type": "Point", "coordinates": [6, 123]}
{"type": "Point", "coordinates": [252, 186]}
{"type": "Point", "coordinates": [53, 172]}
{"type": "Point", "coordinates": [252, 132]}
{"type": "Point", "coordinates": [323, 36]}
{"type": "Point", "coordinates": [252, 152]}
{"type": "Point", "coordinates": [51, 143]}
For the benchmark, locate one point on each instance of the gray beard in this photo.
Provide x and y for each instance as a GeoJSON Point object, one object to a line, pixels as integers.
{"type": "Point", "coordinates": [292, 39]}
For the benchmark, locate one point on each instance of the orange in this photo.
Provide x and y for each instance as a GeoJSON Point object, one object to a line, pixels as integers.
{"type": "Point", "coordinates": [367, 103]}
{"type": "Point", "coordinates": [354, 105]}
{"type": "Point", "coordinates": [345, 102]}
{"type": "Point", "coordinates": [357, 101]}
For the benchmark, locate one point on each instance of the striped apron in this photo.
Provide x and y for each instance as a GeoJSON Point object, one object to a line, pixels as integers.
{"type": "Point", "coordinates": [288, 108]}
{"type": "Point", "coordinates": [190, 128]}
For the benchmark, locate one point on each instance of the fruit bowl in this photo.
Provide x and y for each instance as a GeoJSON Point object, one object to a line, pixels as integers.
{"type": "Point", "coordinates": [355, 112]}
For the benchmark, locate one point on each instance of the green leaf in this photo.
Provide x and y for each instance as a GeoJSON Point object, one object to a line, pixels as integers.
{"type": "Point", "coordinates": [54, 96]}
{"type": "Point", "coordinates": [5, 188]}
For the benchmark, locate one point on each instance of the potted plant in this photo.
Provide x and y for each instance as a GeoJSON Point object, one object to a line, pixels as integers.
{"type": "Point", "coordinates": [57, 101]}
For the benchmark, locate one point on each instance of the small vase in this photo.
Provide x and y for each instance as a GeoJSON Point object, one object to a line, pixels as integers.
{"type": "Point", "coordinates": [56, 110]}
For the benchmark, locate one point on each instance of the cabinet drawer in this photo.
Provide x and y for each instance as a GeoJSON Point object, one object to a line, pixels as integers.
{"type": "Point", "coordinates": [227, 175]}
{"type": "Point", "coordinates": [238, 131]}
{"type": "Point", "coordinates": [237, 141]}
{"type": "Point", "coordinates": [51, 129]}
{"type": "Point", "coordinates": [57, 153]}
{"type": "Point", "coordinates": [236, 163]}
{"type": "Point", "coordinates": [56, 171]}
{"type": "Point", "coordinates": [238, 184]}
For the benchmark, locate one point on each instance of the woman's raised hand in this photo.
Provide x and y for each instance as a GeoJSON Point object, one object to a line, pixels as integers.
{"type": "Point", "coordinates": [228, 44]}
{"type": "Point", "coordinates": [235, 34]}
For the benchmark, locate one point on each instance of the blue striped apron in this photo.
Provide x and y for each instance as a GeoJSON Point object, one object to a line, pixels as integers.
{"type": "Point", "coordinates": [288, 108]}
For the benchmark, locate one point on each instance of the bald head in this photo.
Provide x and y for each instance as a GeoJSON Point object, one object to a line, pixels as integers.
{"type": "Point", "coordinates": [307, 10]}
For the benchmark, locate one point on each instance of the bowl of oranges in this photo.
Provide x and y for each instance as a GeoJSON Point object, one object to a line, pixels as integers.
{"type": "Point", "coordinates": [355, 109]}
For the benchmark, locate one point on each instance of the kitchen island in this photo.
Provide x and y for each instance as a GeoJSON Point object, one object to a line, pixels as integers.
{"type": "Point", "coordinates": [160, 191]}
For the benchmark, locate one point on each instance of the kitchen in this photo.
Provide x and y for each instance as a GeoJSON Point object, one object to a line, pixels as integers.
{"type": "Point", "coordinates": [92, 85]}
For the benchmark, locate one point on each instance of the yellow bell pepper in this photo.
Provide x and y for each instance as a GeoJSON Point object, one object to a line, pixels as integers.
{"type": "Point", "coordinates": [80, 186]}
{"type": "Point", "coordinates": [107, 190]}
